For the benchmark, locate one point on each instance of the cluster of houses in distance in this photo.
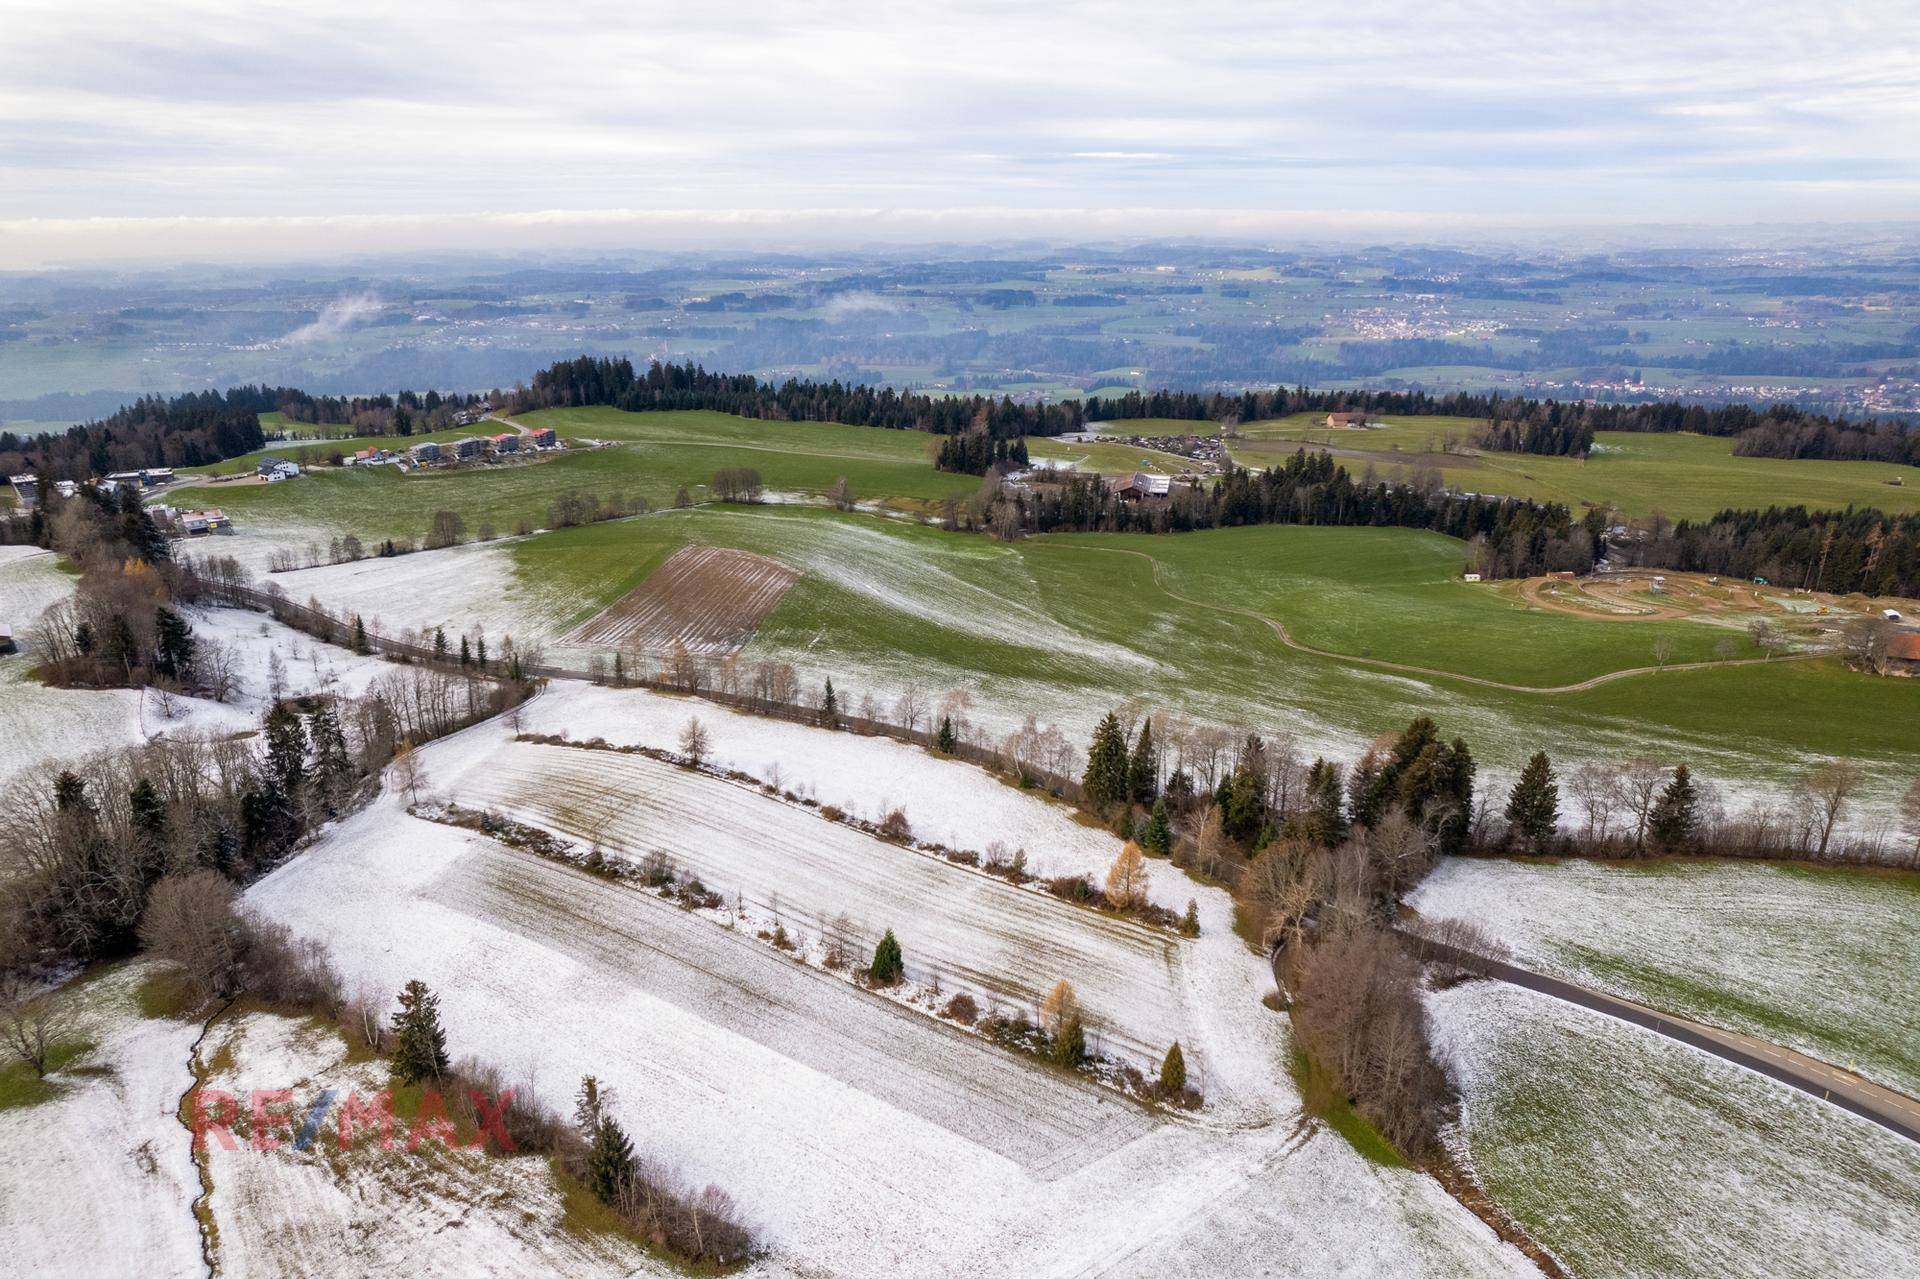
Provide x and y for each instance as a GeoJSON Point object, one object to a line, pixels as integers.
{"type": "Point", "coordinates": [475, 447]}
{"type": "Point", "coordinates": [26, 488]}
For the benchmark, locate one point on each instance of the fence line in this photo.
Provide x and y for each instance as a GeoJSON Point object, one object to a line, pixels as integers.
{"type": "Point", "coordinates": [326, 627]}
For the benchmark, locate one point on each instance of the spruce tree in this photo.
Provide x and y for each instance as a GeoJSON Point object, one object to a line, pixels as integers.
{"type": "Point", "coordinates": [480, 651]}
{"type": "Point", "coordinates": [466, 652]}
{"type": "Point", "coordinates": [286, 749]}
{"type": "Point", "coordinates": [1105, 781]}
{"type": "Point", "coordinates": [1173, 1071]}
{"type": "Point", "coordinates": [588, 1107]}
{"type": "Point", "coordinates": [610, 1163]}
{"type": "Point", "coordinates": [332, 766]}
{"type": "Point", "coordinates": [1158, 837]}
{"type": "Point", "coordinates": [173, 644]}
{"type": "Point", "coordinates": [889, 966]}
{"type": "Point", "coordinates": [147, 815]}
{"type": "Point", "coordinates": [1533, 810]}
{"type": "Point", "coordinates": [944, 740]}
{"type": "Point", "coordinates": [360, 644]}
{"type": "Point", "coordinates": [419, 1044]}
{"type": "Point", "coordinates": [1141, 782]}
{"type": "Point", "coordinates": [830, 706]}
{"type": "Point", "coordinates": [1327, 818]}
{"type": "Point", "coordinates": [1243, 805]}
{"type": "Point", "coordinates": [1070, 1042]}
{"type": "Point", "coordinates": [1676, 814]}
{"type": "Point", "coordinates": [439, 643]}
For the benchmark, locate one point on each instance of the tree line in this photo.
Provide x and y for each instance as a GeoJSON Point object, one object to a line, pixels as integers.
{"type": "Point", "coordinates": [1519, 424]}
{"type": "Point", "coordinates": [976, 452]}
{"type": "Point", "coordinates": [1512, 537]}
{"type": "Point", "coordinates": [202, 427]}
{"type": "Point", "coordinates": [591, 380]}
{"type": "Point", "coordinates": [1864, 550]}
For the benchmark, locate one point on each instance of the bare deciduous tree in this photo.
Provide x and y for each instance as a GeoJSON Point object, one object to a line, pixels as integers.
{"type": "Point", "coordinates": [694, 742]}
{"type": "Point", "coordinates": [32, 1025]}
{"type": "Point", "coordinates": [1824, 795]}
{"type": "Point", "coordinates": [189, 922]}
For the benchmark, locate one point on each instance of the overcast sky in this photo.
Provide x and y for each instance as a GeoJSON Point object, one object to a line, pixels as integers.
{"type": "Point", "coordinates": [131, 125]}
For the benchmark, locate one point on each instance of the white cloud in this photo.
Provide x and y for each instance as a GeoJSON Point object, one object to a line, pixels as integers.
{"type": "Point", "coordinates": [334, 319]}
{"type": "Point", "coordinates": [1604, 111]}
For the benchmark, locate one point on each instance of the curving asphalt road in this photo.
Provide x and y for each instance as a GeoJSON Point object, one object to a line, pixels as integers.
{"type": "Point", "coordinates": [1891, 1110]}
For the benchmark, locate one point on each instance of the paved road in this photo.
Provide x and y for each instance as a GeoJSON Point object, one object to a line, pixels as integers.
{"type": "Point", "coordinates": [1891, 1110]}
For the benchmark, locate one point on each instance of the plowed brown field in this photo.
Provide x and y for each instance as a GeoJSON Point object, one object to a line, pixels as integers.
{"type": "Point", "coordinates": [709, 598]}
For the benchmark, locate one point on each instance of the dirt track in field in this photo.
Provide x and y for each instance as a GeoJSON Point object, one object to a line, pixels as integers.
{"type": "Point", "coordinates": [709, 598]}
{"type": "Point", "coordinates": [1285, 636]}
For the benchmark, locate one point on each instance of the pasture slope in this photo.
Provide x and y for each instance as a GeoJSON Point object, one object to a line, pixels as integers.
{"type": "Point", "coordinates": [1066, 627]}
{"type": "Point", "coordinates": [1633, 1157]}
{"type": "Point", "coordinates": [1815, 958]}
{"type": "Point", "coordinates": [789, 1087]}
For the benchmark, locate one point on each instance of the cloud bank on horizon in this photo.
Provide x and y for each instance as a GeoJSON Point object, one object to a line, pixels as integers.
{"type": "Point", "coordinates": [268, 127]}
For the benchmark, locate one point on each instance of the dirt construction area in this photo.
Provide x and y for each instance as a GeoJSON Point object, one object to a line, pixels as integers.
{"type": "Point", "coordinates": [1639, 595]}
{"type": "Point", "coordinates": [708, 598]}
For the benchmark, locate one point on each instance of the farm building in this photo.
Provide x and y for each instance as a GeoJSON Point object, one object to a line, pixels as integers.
{"type": "Point", "coordinates": [275, 469]}
{"type": "Point", "coordinates": [26, 488]}
{"type": "Point", "coordinates": [156, 475]}
{"type": "Point", "coordinates": [1142, 488]}
{"type": "Point", "coordinates": [465, 417]}
{"type": "Point", "coordinates": [543, 437]}
{"type": "Point", "coordinates": [1470, 577]}
{"type": "Point", "coordinates": [211, 520]}
{"type": "Point", "coordinates": [470, 447]}
{"type": "Point", "coordinates": [66, 488]}
{"type": "Point", "coordinates": [428, 452]}
{"type": "Point", "coordinates": [506, 442]}
{"type": "Point", "coordinates": [1346, 419]}
{"type": "Point", "coordinates": [1903, 652]}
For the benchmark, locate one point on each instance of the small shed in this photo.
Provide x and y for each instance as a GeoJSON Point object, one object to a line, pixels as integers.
{"type": "Point", "coordinates": [6, 639]}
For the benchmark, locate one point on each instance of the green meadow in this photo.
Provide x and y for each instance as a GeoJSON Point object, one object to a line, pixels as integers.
{"type": "Point", "coordinates": [1069, 623]}
{"type": "Point", "coordinates": [650, 456]}
{"type": "Point", "coordinates": [1684, 476]}
{"type": "Point", "coordinates": [1066, 626]}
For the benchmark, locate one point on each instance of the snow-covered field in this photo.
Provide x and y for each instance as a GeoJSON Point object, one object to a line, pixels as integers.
{"type": "Point", "coordinates": [1632, 1157]}
{"type": "Point", "coordinates": [460, 588]}
{"type": "Point", "coordinates": [859, 1136]}
{"type": "Point", "coordinates": [38, 724]}
{"type": "Point", "coordinates": [946, 801]}
{"type": "Point", "coordinates": [1819, 959]}
{"type": "Point", "coordinates": [1004, 944]}
{"type": "Point", "coordinates": [324, 1211]}
{"type": "Point", "coordinates": [41, 726]}
{"type": "Point", "coordinates": [99, 1181]}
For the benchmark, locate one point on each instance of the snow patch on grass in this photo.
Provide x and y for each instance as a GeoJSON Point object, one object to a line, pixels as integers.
{"type": "Point", "coordinates": [1631, 1156]}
